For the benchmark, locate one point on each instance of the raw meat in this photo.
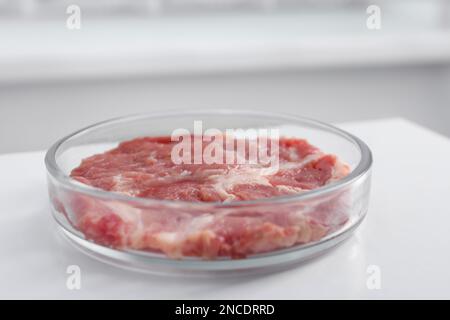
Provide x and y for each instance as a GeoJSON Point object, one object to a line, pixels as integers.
{"type": "Point", "coordinates": [143, 168]}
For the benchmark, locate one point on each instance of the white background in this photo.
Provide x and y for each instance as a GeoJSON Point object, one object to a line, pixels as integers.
{"type": "Point", "coordinates": [323, 63]}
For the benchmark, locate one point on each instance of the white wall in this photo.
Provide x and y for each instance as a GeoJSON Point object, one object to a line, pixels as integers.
{"type": "Point", "coordinates": [34, 115]}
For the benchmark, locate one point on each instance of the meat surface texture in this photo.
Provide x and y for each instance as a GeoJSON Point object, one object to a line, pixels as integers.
{"type": "Point", "coordinates": [143, 168]}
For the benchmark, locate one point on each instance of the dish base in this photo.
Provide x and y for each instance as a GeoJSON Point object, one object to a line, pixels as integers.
{"type": "Point", "coordinates": [154, 263]}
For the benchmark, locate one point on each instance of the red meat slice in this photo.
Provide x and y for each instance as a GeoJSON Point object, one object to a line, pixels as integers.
{"type": "Point", "coordinates": [143, 168]}
{"type": "Point", "coordinates": [312, 175]}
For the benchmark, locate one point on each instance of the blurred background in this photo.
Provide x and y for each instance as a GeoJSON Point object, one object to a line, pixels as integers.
{"type": "Point", "coordinates": [315, 58]}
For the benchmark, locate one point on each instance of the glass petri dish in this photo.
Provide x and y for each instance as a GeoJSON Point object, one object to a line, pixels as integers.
{"type": "Point", "coordinates": [71, 200]}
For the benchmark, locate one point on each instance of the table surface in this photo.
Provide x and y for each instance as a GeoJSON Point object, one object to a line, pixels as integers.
{"type": "Point", "coordinates": [403, 245]}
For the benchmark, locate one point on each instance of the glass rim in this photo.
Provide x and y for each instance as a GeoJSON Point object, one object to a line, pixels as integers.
{"type": "Point", "coordinates": [364, 165]}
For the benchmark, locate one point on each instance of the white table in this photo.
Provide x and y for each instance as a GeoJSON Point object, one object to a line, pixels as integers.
{"type": "Point", "coordinates": [406, 235]}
